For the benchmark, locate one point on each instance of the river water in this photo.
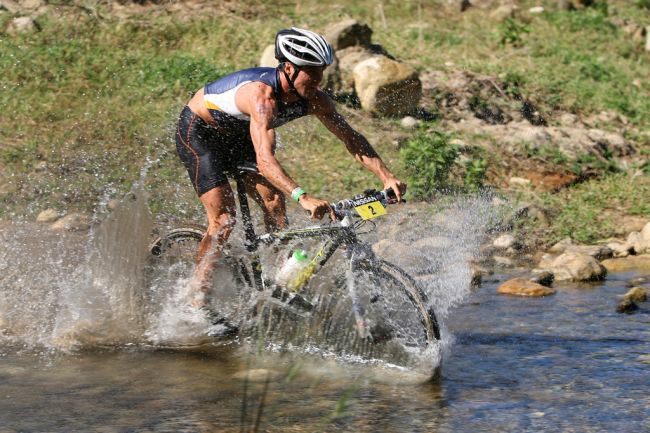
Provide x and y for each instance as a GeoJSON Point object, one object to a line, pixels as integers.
{"type": "Point", "coordinates": [72, 359]}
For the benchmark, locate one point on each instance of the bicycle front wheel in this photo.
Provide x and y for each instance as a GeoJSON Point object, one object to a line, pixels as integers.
{"type": "Point", "coordinates": [379, 312]}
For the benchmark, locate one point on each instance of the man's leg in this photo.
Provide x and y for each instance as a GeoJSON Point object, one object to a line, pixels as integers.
{"type": "Point", "coordinates": [219, 204]}
{"type": "Point", "coordinates": [270, 199]}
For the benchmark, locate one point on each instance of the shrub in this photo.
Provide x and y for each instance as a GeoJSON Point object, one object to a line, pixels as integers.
{"type": "Point", "coordinates": [475, 170]}
{"type": "Point", "coordinates": [428, 158]}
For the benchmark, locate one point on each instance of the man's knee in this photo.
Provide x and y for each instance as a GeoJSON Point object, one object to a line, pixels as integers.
{"type": "Point", "coordinates": [275, 204]}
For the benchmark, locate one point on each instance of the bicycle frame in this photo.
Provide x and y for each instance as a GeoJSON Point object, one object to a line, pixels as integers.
{"type": "Point", "coordinates": [335, 235]}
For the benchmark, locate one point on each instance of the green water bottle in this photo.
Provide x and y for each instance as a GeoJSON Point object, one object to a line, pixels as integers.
{"type": "Point", "coordinates": [292, 268]}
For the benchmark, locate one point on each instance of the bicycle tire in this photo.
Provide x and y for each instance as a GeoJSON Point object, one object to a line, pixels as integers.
{"type": "Point", "coordinates": [403, 327]}
{"type": "Point", "coordinates": [161, 244]}
{"type": "Point", "coordinates": [172, 257]}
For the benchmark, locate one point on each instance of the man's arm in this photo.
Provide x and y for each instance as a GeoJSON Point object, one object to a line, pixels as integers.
{"type": "Point", "coordinates": [263, 108]}
{"type": "Point", "coordinates": [356, 143]}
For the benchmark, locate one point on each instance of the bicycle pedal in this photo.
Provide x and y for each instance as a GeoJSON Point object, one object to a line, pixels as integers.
{"type": "Point", "coordinates": [280, 293]}
{"type": "Point", "coordinates": [222, 330]}
{"type": "Point", "coordinates": [285, 306]}
{"type": "Point", "coordinates": [301, 302]}
{"type": "Point", "coordinates": [219, 326]}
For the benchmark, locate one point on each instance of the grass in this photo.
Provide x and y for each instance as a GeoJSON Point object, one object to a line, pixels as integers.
{"type": "Point", "coordinates": [96, 99]}
{"type": "Point", "coordinates": [592, 211]}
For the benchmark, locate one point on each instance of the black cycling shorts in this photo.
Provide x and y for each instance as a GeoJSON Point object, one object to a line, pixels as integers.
{"type": "Point", "coordinates": [210, 154]}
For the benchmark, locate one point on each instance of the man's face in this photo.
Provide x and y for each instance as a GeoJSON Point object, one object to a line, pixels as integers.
{"type": "Point", "coordinates": [308, 80]}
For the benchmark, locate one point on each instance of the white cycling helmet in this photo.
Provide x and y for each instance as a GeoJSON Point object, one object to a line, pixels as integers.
{"type": "Point", "coordinates": [302, 48]}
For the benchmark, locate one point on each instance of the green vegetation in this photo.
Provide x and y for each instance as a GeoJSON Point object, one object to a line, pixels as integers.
{"type": "Point", "coordinates": [591, 211]}
{"type": "Point", "coordinates": [432, 165]}
{"type": "Point", "coordinates": [95, 96]}
{"type": "Point", "coordinates": [475, 171]}
{"type": "Point", "coordinates": [511, 32]}
{"type": "Point", "coordinates": [428, 159]}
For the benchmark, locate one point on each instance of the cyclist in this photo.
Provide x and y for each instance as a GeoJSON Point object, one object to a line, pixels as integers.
{"type": "Point", "coordinates": [232, 121]}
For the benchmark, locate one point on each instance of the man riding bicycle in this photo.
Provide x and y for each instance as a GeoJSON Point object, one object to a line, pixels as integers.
{"type": "Point", "coordinates": [232, 121]}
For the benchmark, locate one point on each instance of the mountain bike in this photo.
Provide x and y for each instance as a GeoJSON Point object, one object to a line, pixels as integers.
{"type": "Point", "coordinates": [350, 304]}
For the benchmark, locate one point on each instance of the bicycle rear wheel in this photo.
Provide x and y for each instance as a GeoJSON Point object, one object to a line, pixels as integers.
{"type": "Point", "coordinates": [172, 256]}
{"type": "Point", "coordinates": [171, 265]}
{"type": "Point", "coordinates": [402, 327]}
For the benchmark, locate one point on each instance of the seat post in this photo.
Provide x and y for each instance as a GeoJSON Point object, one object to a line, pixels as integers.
{"type": "Point", "coordinates": [251, 238]}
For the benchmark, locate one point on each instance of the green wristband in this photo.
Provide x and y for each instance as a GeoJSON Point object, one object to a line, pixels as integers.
{"type": "Point", "coordinates": [296, 193]}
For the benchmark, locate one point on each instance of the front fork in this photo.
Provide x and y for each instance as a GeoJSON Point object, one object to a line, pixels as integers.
{"type": "Point", "coordinates": [358, 254]}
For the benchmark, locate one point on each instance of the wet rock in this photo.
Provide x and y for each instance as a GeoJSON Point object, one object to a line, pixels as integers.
{"type": "Point", "coordinates": [640, 240]}
{"type": "Point", "coordinates": [645, 240]}
{"type": "Point", "coordinates": [630, 263]}
{"type": "Point", "coordinates": [634, 238]}
{"type": "Point", "coordinates": [21, 25]}
{"type": "Point", "coordinates": [561, 246]}
{"type": "Point", "coordinates": [636, 294]}
{"type": "Point", "coordinates": [348, 33]}
{"type": "Point", "coordinates": [543, 277]}
{"type": "Point", "coordinates": [72, 222]}
{"type": "Point", "coordinates": [637, 281]}
{"type": "Point", "coordinates": [620, 249]}
{"type": "Point", "coordinates": [47, 216]}
{"type": "Point", "coordinates": [626, 306]}
{"type": "Point", "coordinates": [524, 287]}
{"type": "Point", "coordinates": [256, 375]}
{"type": "Point", "coordinates": [570, 266]}
{"type": "Point", "coordinates": [387, 87]}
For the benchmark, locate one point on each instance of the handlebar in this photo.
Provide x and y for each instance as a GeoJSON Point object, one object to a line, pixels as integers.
{"type": "Point", "coordinates": [386, 197]}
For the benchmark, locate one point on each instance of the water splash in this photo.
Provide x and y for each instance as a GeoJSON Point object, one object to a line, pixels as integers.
{"type": "Point", "coordinates": [91, 291]}
{"type": "Point", "coordinates": [66, 289]}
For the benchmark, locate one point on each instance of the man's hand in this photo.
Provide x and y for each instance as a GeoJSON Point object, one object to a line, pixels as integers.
{"type": "Point", "coordinates": [317, 208]}
{"type": "Point", "coordinates": [397, 185]}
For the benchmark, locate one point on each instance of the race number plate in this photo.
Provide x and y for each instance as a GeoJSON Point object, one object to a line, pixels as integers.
{"type": "Point", "coordinates": [369, 208]}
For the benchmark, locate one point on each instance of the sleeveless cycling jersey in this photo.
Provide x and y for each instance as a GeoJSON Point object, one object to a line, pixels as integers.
{"type": "Point", "coordinates": [219, 97]}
